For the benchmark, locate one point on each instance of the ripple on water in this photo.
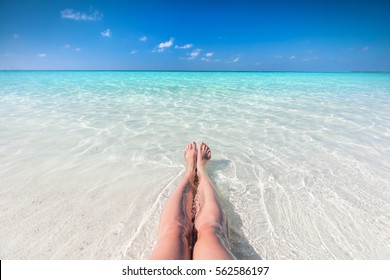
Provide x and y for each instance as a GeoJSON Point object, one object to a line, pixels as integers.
{"type": "Point", "coordinates": [300, 160]}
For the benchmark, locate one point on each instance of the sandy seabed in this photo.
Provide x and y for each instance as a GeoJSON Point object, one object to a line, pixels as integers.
{"type": "Point", "coordinates": [88, 160]}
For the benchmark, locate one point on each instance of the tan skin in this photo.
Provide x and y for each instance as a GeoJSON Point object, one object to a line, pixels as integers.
{"type": "Point", "coordinates": [176, 226]}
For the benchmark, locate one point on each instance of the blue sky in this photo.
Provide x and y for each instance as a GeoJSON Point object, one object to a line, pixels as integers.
{"type": "Point", "coordinates": [244, 35]}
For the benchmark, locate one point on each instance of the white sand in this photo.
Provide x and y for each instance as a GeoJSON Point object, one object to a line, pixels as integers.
{"type": "Point", "coordinates": [84, 175]}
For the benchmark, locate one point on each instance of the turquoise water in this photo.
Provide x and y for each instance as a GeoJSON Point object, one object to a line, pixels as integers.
{"type": "Point", "coordinates": [88, 159]}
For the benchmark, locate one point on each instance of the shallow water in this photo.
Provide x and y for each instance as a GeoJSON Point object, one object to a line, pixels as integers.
{"type": "Point", "coordinates": [88, 159]}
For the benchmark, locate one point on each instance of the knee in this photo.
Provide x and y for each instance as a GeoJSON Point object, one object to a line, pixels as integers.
{"type": "Point", "coordinates": [175, 228]}
{"type": "Point", "coordinates": [214, 229]}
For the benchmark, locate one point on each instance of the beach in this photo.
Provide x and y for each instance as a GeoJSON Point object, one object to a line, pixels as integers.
{"type": "Point", "coordinates": [89, 158]}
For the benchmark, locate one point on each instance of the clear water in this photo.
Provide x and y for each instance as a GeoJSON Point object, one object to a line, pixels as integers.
{"type": "Point", "coordinates": [88, 159]}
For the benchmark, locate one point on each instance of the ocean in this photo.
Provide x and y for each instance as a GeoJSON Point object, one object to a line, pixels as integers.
{"type": "Point", "coordinates": [301, 161]}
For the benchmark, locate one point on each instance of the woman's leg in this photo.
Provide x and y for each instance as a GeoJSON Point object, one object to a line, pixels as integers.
{"type": "Point", "coordinates": [210, 221]}
{"type": "Point", "coordinates": [175, 230]}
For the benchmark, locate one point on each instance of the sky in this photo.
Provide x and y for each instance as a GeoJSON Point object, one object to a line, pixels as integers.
{"type": "Point", "coordinates": [216, 35]}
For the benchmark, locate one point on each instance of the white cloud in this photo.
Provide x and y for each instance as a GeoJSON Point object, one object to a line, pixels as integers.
{"type": "Point", "coordinates": [93, 15]}
{"type": "Point", "coordinates": [106, 33]}
{"type": "Point", "coordinates": [279, 56]}
{"type": "Point", "coordinates": [133, 52]}
{"type": "Point", "coordinates": [16, 36]}
{"type": "Point", "coordinates": [366, 48]}
{"type": "Point", "coordinates": [208, 55]}
{"type": "Point", "coordinates": [166, 44]}
{"type": "Point", "coordinates": [210, 60]}
{"type": "Point", "coordinates": [67, 46]}
{"type": "Point", "coordinates": [162, 46]}
{"type": "Point", "coordinates": [292, 57]}
{"type": "Point", "coordinates": [194, 54]}
{"type": "Point", "coordinates": [143, 39]}
{"type": "Point", "coordinates": [236, 59]}
{"type": "Point", "coordinates": [42, 55]}
{"type": "Point", "coordinates": [186, 46]}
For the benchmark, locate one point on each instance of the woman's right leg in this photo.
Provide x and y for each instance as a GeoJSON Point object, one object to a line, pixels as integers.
{"type": "Point", "coordinates": [210, 221]}
{"type": "Point", "coordinates": [175, 230]}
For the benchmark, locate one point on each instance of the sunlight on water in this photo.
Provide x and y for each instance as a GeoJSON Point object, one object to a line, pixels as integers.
{"type": "Point", "coordinates": [88, 159]}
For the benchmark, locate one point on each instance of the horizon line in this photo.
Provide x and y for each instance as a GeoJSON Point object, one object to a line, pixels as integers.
{"type": "Point", "coordinates": [156, 70]}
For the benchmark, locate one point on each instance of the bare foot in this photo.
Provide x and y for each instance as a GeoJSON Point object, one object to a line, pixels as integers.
{"type": "Point", "coordinates": [190, 155]}
{"type": "Point", "coordinates": [204, 155]}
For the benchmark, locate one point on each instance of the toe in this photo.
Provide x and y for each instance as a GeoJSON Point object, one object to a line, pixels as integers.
{"type": "Point", "coordinates": [193, 145]}
{"type": "Point", "coordinates": [187, 148]}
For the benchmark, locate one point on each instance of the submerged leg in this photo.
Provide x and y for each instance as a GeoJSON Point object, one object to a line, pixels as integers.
{"type": "Point", "coordinates": [210, 222]}
{"type": "Point", "coordinates": [175, 229]}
